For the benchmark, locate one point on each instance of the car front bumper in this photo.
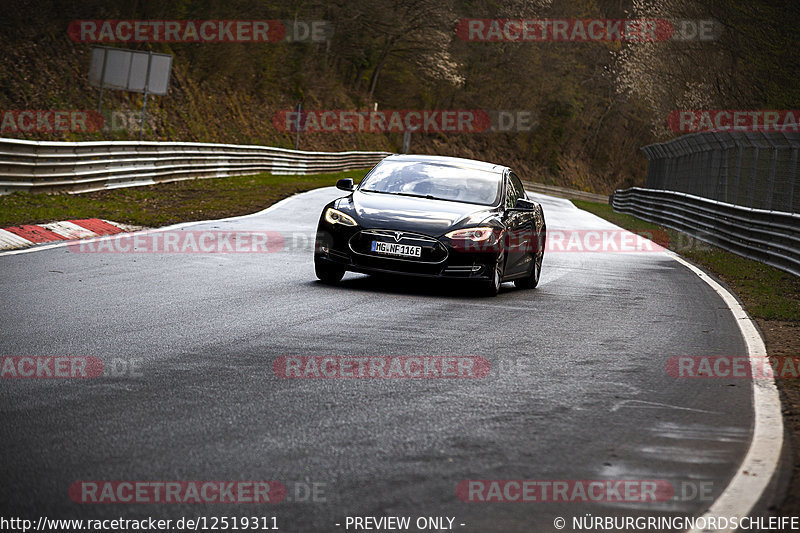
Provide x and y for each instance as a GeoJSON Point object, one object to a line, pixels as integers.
{"type": "Point", "coordinates": [337, 248]}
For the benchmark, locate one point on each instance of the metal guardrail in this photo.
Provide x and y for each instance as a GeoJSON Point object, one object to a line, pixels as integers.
{"type": "Point", "coordinates": [563, 192]}
{"type": "Point", "coordinates": [753, 169]}
{"type": "Point", "coordinates": [770, 237]}
{"type": "Point", "coordinates": [74, 167]}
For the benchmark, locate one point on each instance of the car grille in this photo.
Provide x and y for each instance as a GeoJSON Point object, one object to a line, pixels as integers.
{"type": "Point", "coordinates": [433, 251]}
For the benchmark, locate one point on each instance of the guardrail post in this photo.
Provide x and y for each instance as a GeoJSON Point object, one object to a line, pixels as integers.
{"type": "Point", "coordinates": [297, 126]}
{"type": "Point", "coordinates": [753, 174]}
{"type": "Point", "coordinates": [737, 179]}
{"type": "Point", "coordinates": [723, 171]}
{"type": "Point", "coordinates": [792, 178]}
{"type": "Point", "coordinates": [772, 167]}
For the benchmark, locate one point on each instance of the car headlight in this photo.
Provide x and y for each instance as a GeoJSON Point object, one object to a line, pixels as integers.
{"type": "Point", "coordinates": [471, 234]}
{"type": "Point", "coordinates": [334, 216]}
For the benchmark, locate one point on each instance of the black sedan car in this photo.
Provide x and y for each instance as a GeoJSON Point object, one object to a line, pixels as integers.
{"type": "Point", "coordinates": [434, 216]}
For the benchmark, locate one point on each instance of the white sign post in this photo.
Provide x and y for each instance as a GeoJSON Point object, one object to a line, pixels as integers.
{"type": "Point", "coordinates": [130, 70]}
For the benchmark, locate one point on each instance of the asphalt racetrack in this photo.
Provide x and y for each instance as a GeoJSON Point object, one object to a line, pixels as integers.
{"type": "Point", "coordinates": [578, 387]}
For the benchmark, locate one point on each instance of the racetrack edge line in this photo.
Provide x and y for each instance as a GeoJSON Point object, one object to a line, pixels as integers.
{"type": "Point", "coordinates": [760, 464]}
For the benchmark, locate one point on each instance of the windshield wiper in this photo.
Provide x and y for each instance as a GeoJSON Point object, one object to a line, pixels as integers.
{"type": "Point", "coordinates": [426, 196]}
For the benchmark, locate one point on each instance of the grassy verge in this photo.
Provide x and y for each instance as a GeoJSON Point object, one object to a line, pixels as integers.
{"type": "Point", "coordinates": [770, 296]}
{"type": "Point", "coordinates": [166, 203]}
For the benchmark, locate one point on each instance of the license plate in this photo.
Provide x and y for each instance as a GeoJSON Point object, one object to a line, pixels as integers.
{"type": "Point", "coordinates": [402, 250]}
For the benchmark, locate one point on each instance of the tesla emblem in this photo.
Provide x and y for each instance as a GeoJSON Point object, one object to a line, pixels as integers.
{"type": "Point", "coordinates": [397, 236]}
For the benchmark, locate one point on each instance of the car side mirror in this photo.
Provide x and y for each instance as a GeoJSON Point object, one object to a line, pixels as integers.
{"type": "Point", "coordinates": [345, 184]}
{"type": "Point", "coordinates": [524, 205]}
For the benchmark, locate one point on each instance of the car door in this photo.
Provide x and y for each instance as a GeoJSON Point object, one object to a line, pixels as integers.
{"type": "Point", "coordinates": [518, 229]}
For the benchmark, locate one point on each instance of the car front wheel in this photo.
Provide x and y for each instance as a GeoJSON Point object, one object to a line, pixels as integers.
{"type": "Point", "coordinates": [328, 273]}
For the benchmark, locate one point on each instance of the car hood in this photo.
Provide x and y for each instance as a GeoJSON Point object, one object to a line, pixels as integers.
{"type": "Point", "coordinates": [406, 213]}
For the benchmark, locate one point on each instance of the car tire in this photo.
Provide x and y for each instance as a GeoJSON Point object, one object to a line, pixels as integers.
{"type": "Point", "coordinates": [492, 287]}
{"type": "Point", "coordinates": [532, 281]}
{"type": "Point", "coordinates": [328, 273]}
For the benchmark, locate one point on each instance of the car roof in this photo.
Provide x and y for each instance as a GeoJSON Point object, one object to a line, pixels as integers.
{"type": "Point", "coordinates": [448, 161]}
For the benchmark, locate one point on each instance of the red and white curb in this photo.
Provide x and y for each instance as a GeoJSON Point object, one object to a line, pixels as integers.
{"type": "Point", "coordinates": [17, 237]}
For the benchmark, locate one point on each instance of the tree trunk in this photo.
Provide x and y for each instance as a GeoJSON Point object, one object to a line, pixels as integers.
{"type": "Point", "coordinates": [373, 82]}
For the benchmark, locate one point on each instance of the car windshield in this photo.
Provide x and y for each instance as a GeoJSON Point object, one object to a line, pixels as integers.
{"type": "Point", "coordinates": [435, 181]}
